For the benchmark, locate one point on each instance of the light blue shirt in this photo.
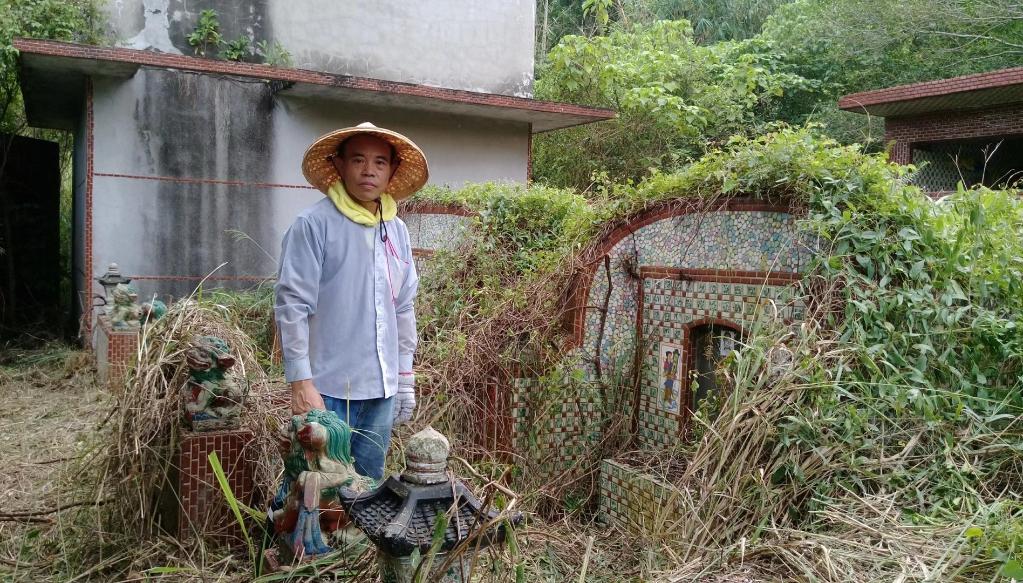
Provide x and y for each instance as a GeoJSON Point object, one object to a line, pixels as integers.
{"type": "Point", "coordinates": [344, 304]}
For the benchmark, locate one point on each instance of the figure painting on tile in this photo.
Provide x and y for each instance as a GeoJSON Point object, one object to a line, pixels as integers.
{"type": "Point", "coordinates": [670, 356]}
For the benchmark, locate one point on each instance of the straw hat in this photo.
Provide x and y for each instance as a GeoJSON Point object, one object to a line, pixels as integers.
{"type": "Point", "coordinates": [411, 175]}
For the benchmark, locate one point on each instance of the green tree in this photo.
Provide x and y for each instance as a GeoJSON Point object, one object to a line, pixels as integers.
{"type": "Point", "coordinates": [68, 20]}
{"type": "Point", "coordinates": [857, 45]}
{"type": "Point", "coordinates": [675, 99]}
{"type": "Point", "coordinates": [713, 20]}
{"type": "Point", "coordinates": [717, 20]}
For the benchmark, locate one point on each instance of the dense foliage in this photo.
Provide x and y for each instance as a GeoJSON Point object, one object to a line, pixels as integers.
{"type": "Point", "coordinates": [485, 305]}
{"type": "Point", "coordinates": [909, 382]}
{"type": "Point", "coordinates": [69, 20]}
{"type": "Point", "coordinates": [904, 386]}
{"type": "Point", "coordinates": [663, 78]}
{"type": "Point", "coordinates": [713, 20]}
{"type": "Point", "coordinates": [676, 99]}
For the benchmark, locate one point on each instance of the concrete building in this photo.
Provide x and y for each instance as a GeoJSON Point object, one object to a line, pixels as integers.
{"type": "Point", "coordinates": [965, 129]}
{"type": "Point", "coordinates": [187, 169]}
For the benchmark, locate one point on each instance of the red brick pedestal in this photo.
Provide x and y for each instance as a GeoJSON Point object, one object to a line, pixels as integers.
{"type": "Point", "coordinates": [116, 350]}
{"type": "Point", "coordinates": [203, 510]}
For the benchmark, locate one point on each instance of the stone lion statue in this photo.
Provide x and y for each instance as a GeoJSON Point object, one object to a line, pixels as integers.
{"type": "Point", "coordinates": [125, 313]}
{"type": "Point", "coordinates": [317, 463]}
{"type": "Point", "coordinates": [212, 396]}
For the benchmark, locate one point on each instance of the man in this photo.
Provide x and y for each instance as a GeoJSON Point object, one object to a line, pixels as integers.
{"type": "Point", "coordinates": [346, 286]}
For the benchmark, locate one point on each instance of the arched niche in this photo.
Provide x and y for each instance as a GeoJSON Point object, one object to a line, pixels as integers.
{"type": "Point", "coordinates": [661, 274]}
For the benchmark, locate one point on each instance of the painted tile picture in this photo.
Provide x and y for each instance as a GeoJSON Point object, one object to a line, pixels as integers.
{"type": "Point", "coordinates": [670, 357]}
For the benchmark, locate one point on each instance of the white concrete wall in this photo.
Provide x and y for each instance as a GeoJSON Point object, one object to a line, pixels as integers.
{"type": "Point", "coordinates": [185, 132]}
{"type": "Point", "coordinates": [459, 44]}
{"type": "Point", "coordinates": [459, 149]}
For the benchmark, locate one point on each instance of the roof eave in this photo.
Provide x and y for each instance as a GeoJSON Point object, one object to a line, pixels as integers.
{"type": "Point", "coordinates": [74, 62]}
{"type": "Point", "coordinates": [970, 92]}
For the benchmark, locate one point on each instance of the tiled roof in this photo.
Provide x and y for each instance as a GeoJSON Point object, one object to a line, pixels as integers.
{"type": "Point", "coordinates": [957, 93]}
{"type": "Point", "coordinates": [41, 59]}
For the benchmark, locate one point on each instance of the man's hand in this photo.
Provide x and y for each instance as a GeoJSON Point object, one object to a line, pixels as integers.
{"type": "Point", "coordinates": [305, 397]}
{"type": "Point", "coordinates": [405, 399]}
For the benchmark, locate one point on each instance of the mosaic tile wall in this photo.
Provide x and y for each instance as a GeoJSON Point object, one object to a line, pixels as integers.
{"type": "Point", "coordinates": [638, 501]}
{"type": "Point", "coordinates": [560, 434]}
{"type": "Point", "coordinates": [728, 240]}
{"type": "Point", "coordinates": [647, 271]}
{"type": "Point", "coordinates": [669, 305]}
{"type": "Point", "coordinates": [435, 231]}
{"type": "Point", "coordinates": [671, 271]}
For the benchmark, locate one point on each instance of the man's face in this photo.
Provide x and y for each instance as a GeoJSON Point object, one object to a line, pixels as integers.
{"type": "Point", "coordinates": [365, 167]}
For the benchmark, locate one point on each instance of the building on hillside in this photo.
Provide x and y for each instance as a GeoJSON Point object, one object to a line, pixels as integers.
{"type": "Point", "coordinates": [188, 169]}
{"type": "Point", "coordinates": [965, 129]}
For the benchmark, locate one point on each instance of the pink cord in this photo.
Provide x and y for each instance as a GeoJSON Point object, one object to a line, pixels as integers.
{"type": "Point", "coordinates": [394, 252]}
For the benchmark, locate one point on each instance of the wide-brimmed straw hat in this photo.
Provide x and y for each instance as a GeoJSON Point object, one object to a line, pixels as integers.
{"type": "Point", "coordinates": [411, 175]}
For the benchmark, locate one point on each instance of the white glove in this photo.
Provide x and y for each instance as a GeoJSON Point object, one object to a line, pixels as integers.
{"type": "Point", "coordinates": [405, 399]}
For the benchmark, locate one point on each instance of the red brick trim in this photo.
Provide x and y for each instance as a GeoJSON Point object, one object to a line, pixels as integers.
{"type": "Point", "coordinates": [994, 122]}
{"type": "Point", "coordinates": [637, 358]}
{"type": "Point", "coordinates": [721, 275]}
{"type": "Point", "coordinates": [579, 287]}
{"type": "Point", "coordinates": [189, 180]}
{"type": "Point", "coordinates": [901, 152]}
{"type": "Point", "coordinates": [415, 207]}
{"type": "Point", "coordinates": [87, 323]}
{"type": "Point", "coordinates": [202, 511]}
{"type": "Point", "coordinates": [258, 71]}
{"type": "Point", "coordinates": [902, 133]}
{"type": "Point", "coordinates": [964, 84]}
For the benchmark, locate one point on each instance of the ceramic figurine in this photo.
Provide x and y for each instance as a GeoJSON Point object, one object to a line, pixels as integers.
{"type": "Point", "coordinates": [400, 516]}
{"type": "Point", "coordinates": [306, 509]}
{"type": "Point", "coordinates": [212, 396]}
{"type": "Point", "coordinates": [126, 313]}
{"type": "Point", "coordinates": [153, 311]}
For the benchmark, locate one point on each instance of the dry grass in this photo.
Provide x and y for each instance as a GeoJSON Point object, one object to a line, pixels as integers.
{"type": "Point", "coordinates": [736, 525]}
{"type": "Point", "coordinates": [146, 420]}
{"type": "Point", "coordinates": [52, 407]}
{"type": "Point", "coordinates": [123, 453]}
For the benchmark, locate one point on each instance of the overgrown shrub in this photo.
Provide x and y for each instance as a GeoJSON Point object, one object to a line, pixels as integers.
{"type": "Point", "coordinates": [899, 410]}
{"type": "Point", "coordinates": [675, 99]}
{"type": "Point", "coordinates": [904, 398]}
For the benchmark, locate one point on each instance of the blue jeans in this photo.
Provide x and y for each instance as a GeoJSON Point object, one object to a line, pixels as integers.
{"type": "Point", "coordinates": [370, 420]}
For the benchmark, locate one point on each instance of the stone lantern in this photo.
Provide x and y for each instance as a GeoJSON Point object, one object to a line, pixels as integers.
{"type": "Point", "coordinates": [110, 280]}
{"type": "Point", "coordinates": [400, 515]}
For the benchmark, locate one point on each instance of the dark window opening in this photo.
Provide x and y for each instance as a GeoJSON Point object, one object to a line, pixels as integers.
{"type": "Point", "coordinates": [991, 162]}
{"type": "Point", "coordinates": [710, 344]}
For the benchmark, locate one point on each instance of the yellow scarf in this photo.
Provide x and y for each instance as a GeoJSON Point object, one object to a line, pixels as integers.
{"type": "Point", "coordinates": [358, 213]}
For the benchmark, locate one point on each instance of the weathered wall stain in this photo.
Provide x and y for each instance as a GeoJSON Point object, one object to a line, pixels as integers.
{"type": "Point", "coordinates": [215, 128]}
{"type": "Point", "coordinates": [236, 19]}
{"type": "Point", "coordinates": [460, 44]}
